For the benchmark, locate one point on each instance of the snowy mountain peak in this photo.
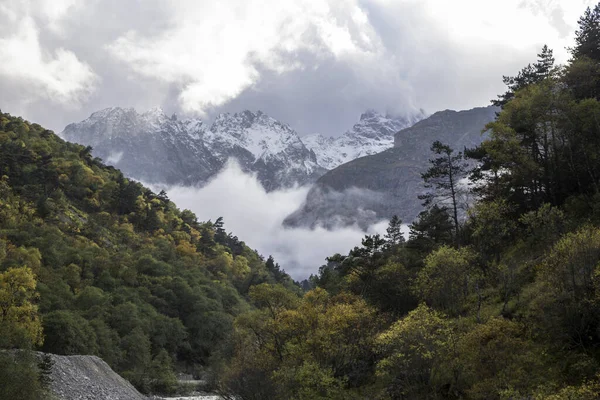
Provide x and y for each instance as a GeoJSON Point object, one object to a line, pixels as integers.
{"type": "Point", "coordinates": [189, 151]}
{"type": "Point", "coordinates": [369, 113]}
{"type": "Point", "coordinates": [373, 133]}
{"type": "Point", "coordinates": [155, 113]}
{"type": "Point", "coordinates": [238, 122]}
{"type": "Point", "coordinates": [258, 133]}
{"type": "Point", "coordinates": [110, 113]}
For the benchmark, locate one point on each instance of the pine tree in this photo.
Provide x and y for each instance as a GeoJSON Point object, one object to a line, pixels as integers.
{"type": "Point", "coordinates": [220, 233]}
{"type": "Point", "coordinates": [432, 228]}
{"type": "Point", "coordinates": [443, 176]}
{"type": "Point", "coordinates": [393, 234]}
{"type": "Point", "coordinates": [545, 63]}
{"type": "Point", "coordinates": [587, 38]}
{"type": "Point", "coordinates": [543, 68]}
{"type": "Point", "coordinates": [525, 77]}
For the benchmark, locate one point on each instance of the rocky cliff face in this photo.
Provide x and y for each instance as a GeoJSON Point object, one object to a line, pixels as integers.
{"type": "Point", "coordinates": [378, 186]}
{"type": "Point", "coordinates": [265, 146]}
{"type": "Point", "coordinates": [373, 134]}
{"type": "Point", "coordinates": [149, 146]}
{"type": "Point", "coordinates": [155, 148]}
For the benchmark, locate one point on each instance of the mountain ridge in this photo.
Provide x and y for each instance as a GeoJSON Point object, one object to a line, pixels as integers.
{"type": "Point", "coordinates": [372, 134]}
{"type": "Point", "coordinates": [190, 151]}
{"type": "Point", "coordinates": [376, 187]}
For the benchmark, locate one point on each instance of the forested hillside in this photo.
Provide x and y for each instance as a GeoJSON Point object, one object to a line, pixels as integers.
{"type": "Point", "coordinates": [502, 305]}
{"type": "Point", "coordinates": [93, 263]}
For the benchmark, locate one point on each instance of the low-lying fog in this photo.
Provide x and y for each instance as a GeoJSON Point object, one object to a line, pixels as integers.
{"type": "Point", "coordinates": [255, 217]}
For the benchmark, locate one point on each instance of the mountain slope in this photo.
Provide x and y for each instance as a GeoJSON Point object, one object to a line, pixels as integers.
{"type": "Point", "coordinates": [376, 187]}
{"type": "Point", "coordinates": [265, 146]}
{"type": "Point", "coordinates": [158, 149]}
{"type": "Point", "coordinates": [149, 146]}
{"type": "Point", "coordinates": [373, 134]}
{"type": "Point", "coordinates": [155, 148]}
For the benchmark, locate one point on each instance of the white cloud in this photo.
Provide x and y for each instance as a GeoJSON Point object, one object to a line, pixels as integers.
{"type": "Point", "coordinates": [114, 157]}
{"type": "Point", "coordinates": [513, 24]}
{"type": "Point", "coordinates": [214, 50]}
{"type": "Point", "coordinates": [255, 216]}
{"type": "Point", "coordinates": [314, 63]}
{"type": "Point", "coordinates": [52, 74]}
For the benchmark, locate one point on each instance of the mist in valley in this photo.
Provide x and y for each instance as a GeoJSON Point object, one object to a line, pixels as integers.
{"type": "Point", "coordinates": [255, 216]}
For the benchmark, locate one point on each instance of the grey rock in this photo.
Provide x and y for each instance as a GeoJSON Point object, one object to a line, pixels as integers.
{"type": "Point", "coordinates": [88, 378]}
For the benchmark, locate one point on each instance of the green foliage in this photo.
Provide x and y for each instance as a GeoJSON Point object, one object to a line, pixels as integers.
{"type": "Point", "coordinates": [432, 228]}
{"type": "Point", "coordinates": [411, 351]}
{"type": "Point", "coordinates": [448, 279]}
{"type": "Point", "coordinates": [587, 37]}
{"type": "Point", "coordinates": [564, 298]}
{"type": "Point", "coordinates": [319, 346]}
{"type": "Point", "coordinates": [162, 378]}
{"type": "Point", "coordinates": [499, 356]}
{"type": "Point", "coordinates": [540, 70]}
{"type": "Point", "coordinates": [19, 320]}
{"type": "Point", "coordinates": [492, 228]}
{"type": "Point", "coordinates": [20, 377]}
{"type": "Point", "coordinates": [109, 268]}
{"type": "Point", "coordinates": [394, 236]}
{"type": "Point", "coordinates": [68, 333]}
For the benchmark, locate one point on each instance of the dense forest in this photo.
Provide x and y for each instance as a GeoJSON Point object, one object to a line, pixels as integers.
{"type": "Point", "coordinates": [499, 302]}
{"type": "Point", "coordinates": [93, 263]}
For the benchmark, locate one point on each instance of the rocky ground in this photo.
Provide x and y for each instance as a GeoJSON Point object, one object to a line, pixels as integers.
{"type": "Point", "coordinates": [88, 378]}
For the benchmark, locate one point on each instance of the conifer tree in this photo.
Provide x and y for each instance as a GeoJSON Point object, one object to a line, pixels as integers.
{"type": "Point", "coordinates": [545, 63]}
{"type": "Point", "coordinates": [587, 37]}
{"type": "Point", "coordinates": [443, 176]}
{"type": "Point", "coordinates": [393, 234]}
{"type": "Point", "coordinates": [540, 70]}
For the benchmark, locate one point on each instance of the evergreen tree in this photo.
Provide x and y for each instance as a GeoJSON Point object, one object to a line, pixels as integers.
{"type": "Point", "coordinates": [587, 37]}
{"type": "Point", "coordinates": [275, 269]}
{"type": "Point", "coordinates": [443, 177]}
{"type": "Point", "coordinates": [393, 234]}
{"type": "Point", "coordinates": [540, 70]}
{"type": "Point", "coordinates": [432, 228]}
{"type": "Point", "coordinates": [220, 233]}
{"type": "Point", "coordinates": [545, 63]}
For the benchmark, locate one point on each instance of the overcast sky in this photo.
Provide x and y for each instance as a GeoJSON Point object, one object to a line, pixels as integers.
{"type": "Point", "coordinates": [315, 64]}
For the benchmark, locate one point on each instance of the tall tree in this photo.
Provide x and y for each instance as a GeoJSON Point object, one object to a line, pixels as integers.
{"type": "Point", "coordinates": [545, 63]}
{"type": "Point", "coordinates": [394, 234]}
{"type": "Point", "coordinates": [587, 37]}
{"type": "Point", "coordinates": [543, 68]}
{"type": "Point", "coordinates": [443, 176]}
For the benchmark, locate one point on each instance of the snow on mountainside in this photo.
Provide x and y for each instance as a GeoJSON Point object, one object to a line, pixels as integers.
{"type": "Point", "coordinates": [155, 148]}
{"type": "Point", "coordinates": [278, 154]}
{"type": "Point", "coordinates": [373, 134]}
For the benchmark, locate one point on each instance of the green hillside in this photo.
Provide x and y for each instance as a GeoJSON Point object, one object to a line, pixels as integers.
{"type": "Point", "coordinates": [119, 271]}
